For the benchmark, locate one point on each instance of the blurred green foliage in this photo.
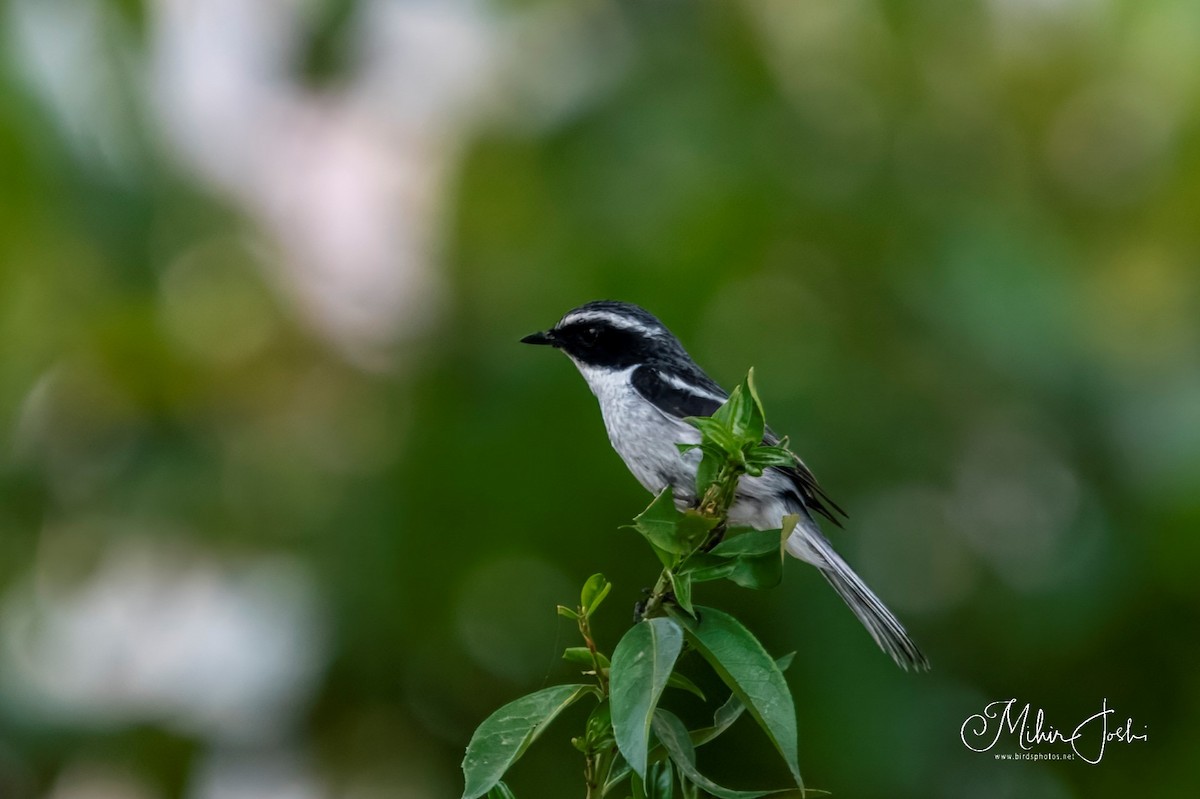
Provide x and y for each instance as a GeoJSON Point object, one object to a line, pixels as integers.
{"type": "Point", "coordinates": [237, 553]}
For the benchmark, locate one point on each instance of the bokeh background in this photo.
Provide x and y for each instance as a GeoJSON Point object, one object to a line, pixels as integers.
{"type": "Point", "coordinates": [285, 509]}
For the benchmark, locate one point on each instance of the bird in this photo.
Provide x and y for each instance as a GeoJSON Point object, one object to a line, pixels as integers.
{"type": "Point", "coordinates": [647, 386]}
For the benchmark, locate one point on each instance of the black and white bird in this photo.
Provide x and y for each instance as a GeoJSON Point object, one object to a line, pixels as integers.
{"type": "Point", "coordinates": [647, 384]}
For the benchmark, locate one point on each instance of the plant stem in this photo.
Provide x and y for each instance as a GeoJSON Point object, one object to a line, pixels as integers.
{"type": "Point", "coordinates": [585, 630]}
{"type": "Point", "coordinates": [589, 775]}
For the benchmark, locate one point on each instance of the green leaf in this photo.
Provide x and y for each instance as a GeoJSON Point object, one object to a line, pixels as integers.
{"type": "Point", "coordinates": [674, 738]}
{"type": "Point", "coordinates": [744, 665]}
{"type": "Point", "coordinates": [717, 431]}
{"type": "Point", "coordinates": [641, 667]}
{"type": "Point", "coordinates": [660, 780]}
{"type": "Point", "coordinates": [567, 613]}
{"type": "Point", "coordinates": [681, 585]}
{"type": "Point", "coordinates": [770, 456]}
{"type": "Point", "coordinates": [505, 735]}
{"type": "Point", "coordinates": [658, 523]}
{"type": "Point", "coordinates": [734, 412]}
{"type": "Point", "coordinates": [709, 469]}
{"type": "Point", "coordinates": [756, 425]}
{"type": "Point", "coordinates": [732, 710]}
{"type": "Point", "coordinates": [677, 680]}
{"type": "Point", "coordinates": [594, 591]}
{"type": "Point", "coordinates": [692, 528]}
{"type": "Point", "coordinates": [582, 656]}
{"type": "Point", "coordinates": [757, 556]}
{"type": "Point", "coordinates": [705, 567]}
{"type": "Point", "coordinates": [750, 558]}
{"type": "Point", "coordinates": [744, 418]}
{"type": "Point", "coordinates": [501, 791]}
{"type": "Point", "coordinates": [743, 541]}
{"type": "Point", "coordinates": [598, 732]}
{"type": "Point", "coordinates": [618, 772]}
{"type": "Point", "coordinates": [741, 417]}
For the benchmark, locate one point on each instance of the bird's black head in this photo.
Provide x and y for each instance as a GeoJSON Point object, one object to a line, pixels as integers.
{"type": "Point", "coordinates": [607, 334]}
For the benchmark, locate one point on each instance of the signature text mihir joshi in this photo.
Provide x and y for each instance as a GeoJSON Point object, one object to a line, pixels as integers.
{"type": "Point", "coordinates": [1006, 720]}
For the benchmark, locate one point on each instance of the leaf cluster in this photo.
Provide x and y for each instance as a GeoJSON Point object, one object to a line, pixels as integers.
{"type": "Point", "coordinates": [733, 442]}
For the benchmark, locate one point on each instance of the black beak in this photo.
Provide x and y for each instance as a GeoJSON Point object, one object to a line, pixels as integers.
{"type": "Point", "coordinates": [546, 338]}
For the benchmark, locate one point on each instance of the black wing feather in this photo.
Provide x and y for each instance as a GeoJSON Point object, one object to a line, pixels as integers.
{"type": "Point", "coordinates": [670, 398]}
{"type": "Point", "coordinates": [806, 483]}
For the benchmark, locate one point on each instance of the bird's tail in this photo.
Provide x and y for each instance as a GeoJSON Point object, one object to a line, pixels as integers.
{"type": "Point", "coordinates": [808, 544]}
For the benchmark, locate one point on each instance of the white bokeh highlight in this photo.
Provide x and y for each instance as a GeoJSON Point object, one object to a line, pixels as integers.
{"type": "Point", "coordinates": [225, 650]}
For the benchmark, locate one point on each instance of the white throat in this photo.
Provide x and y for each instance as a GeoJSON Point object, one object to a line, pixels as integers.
{"type": "Point", "coordinates": [608, 384]}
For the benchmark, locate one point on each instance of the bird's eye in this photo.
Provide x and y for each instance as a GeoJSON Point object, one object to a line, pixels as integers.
{"type": "Point", "coordinates": [590, 336]}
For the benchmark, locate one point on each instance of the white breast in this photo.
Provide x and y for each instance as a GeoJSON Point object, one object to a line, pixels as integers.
{"type": "Point", "coordinates": [642, 435]}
